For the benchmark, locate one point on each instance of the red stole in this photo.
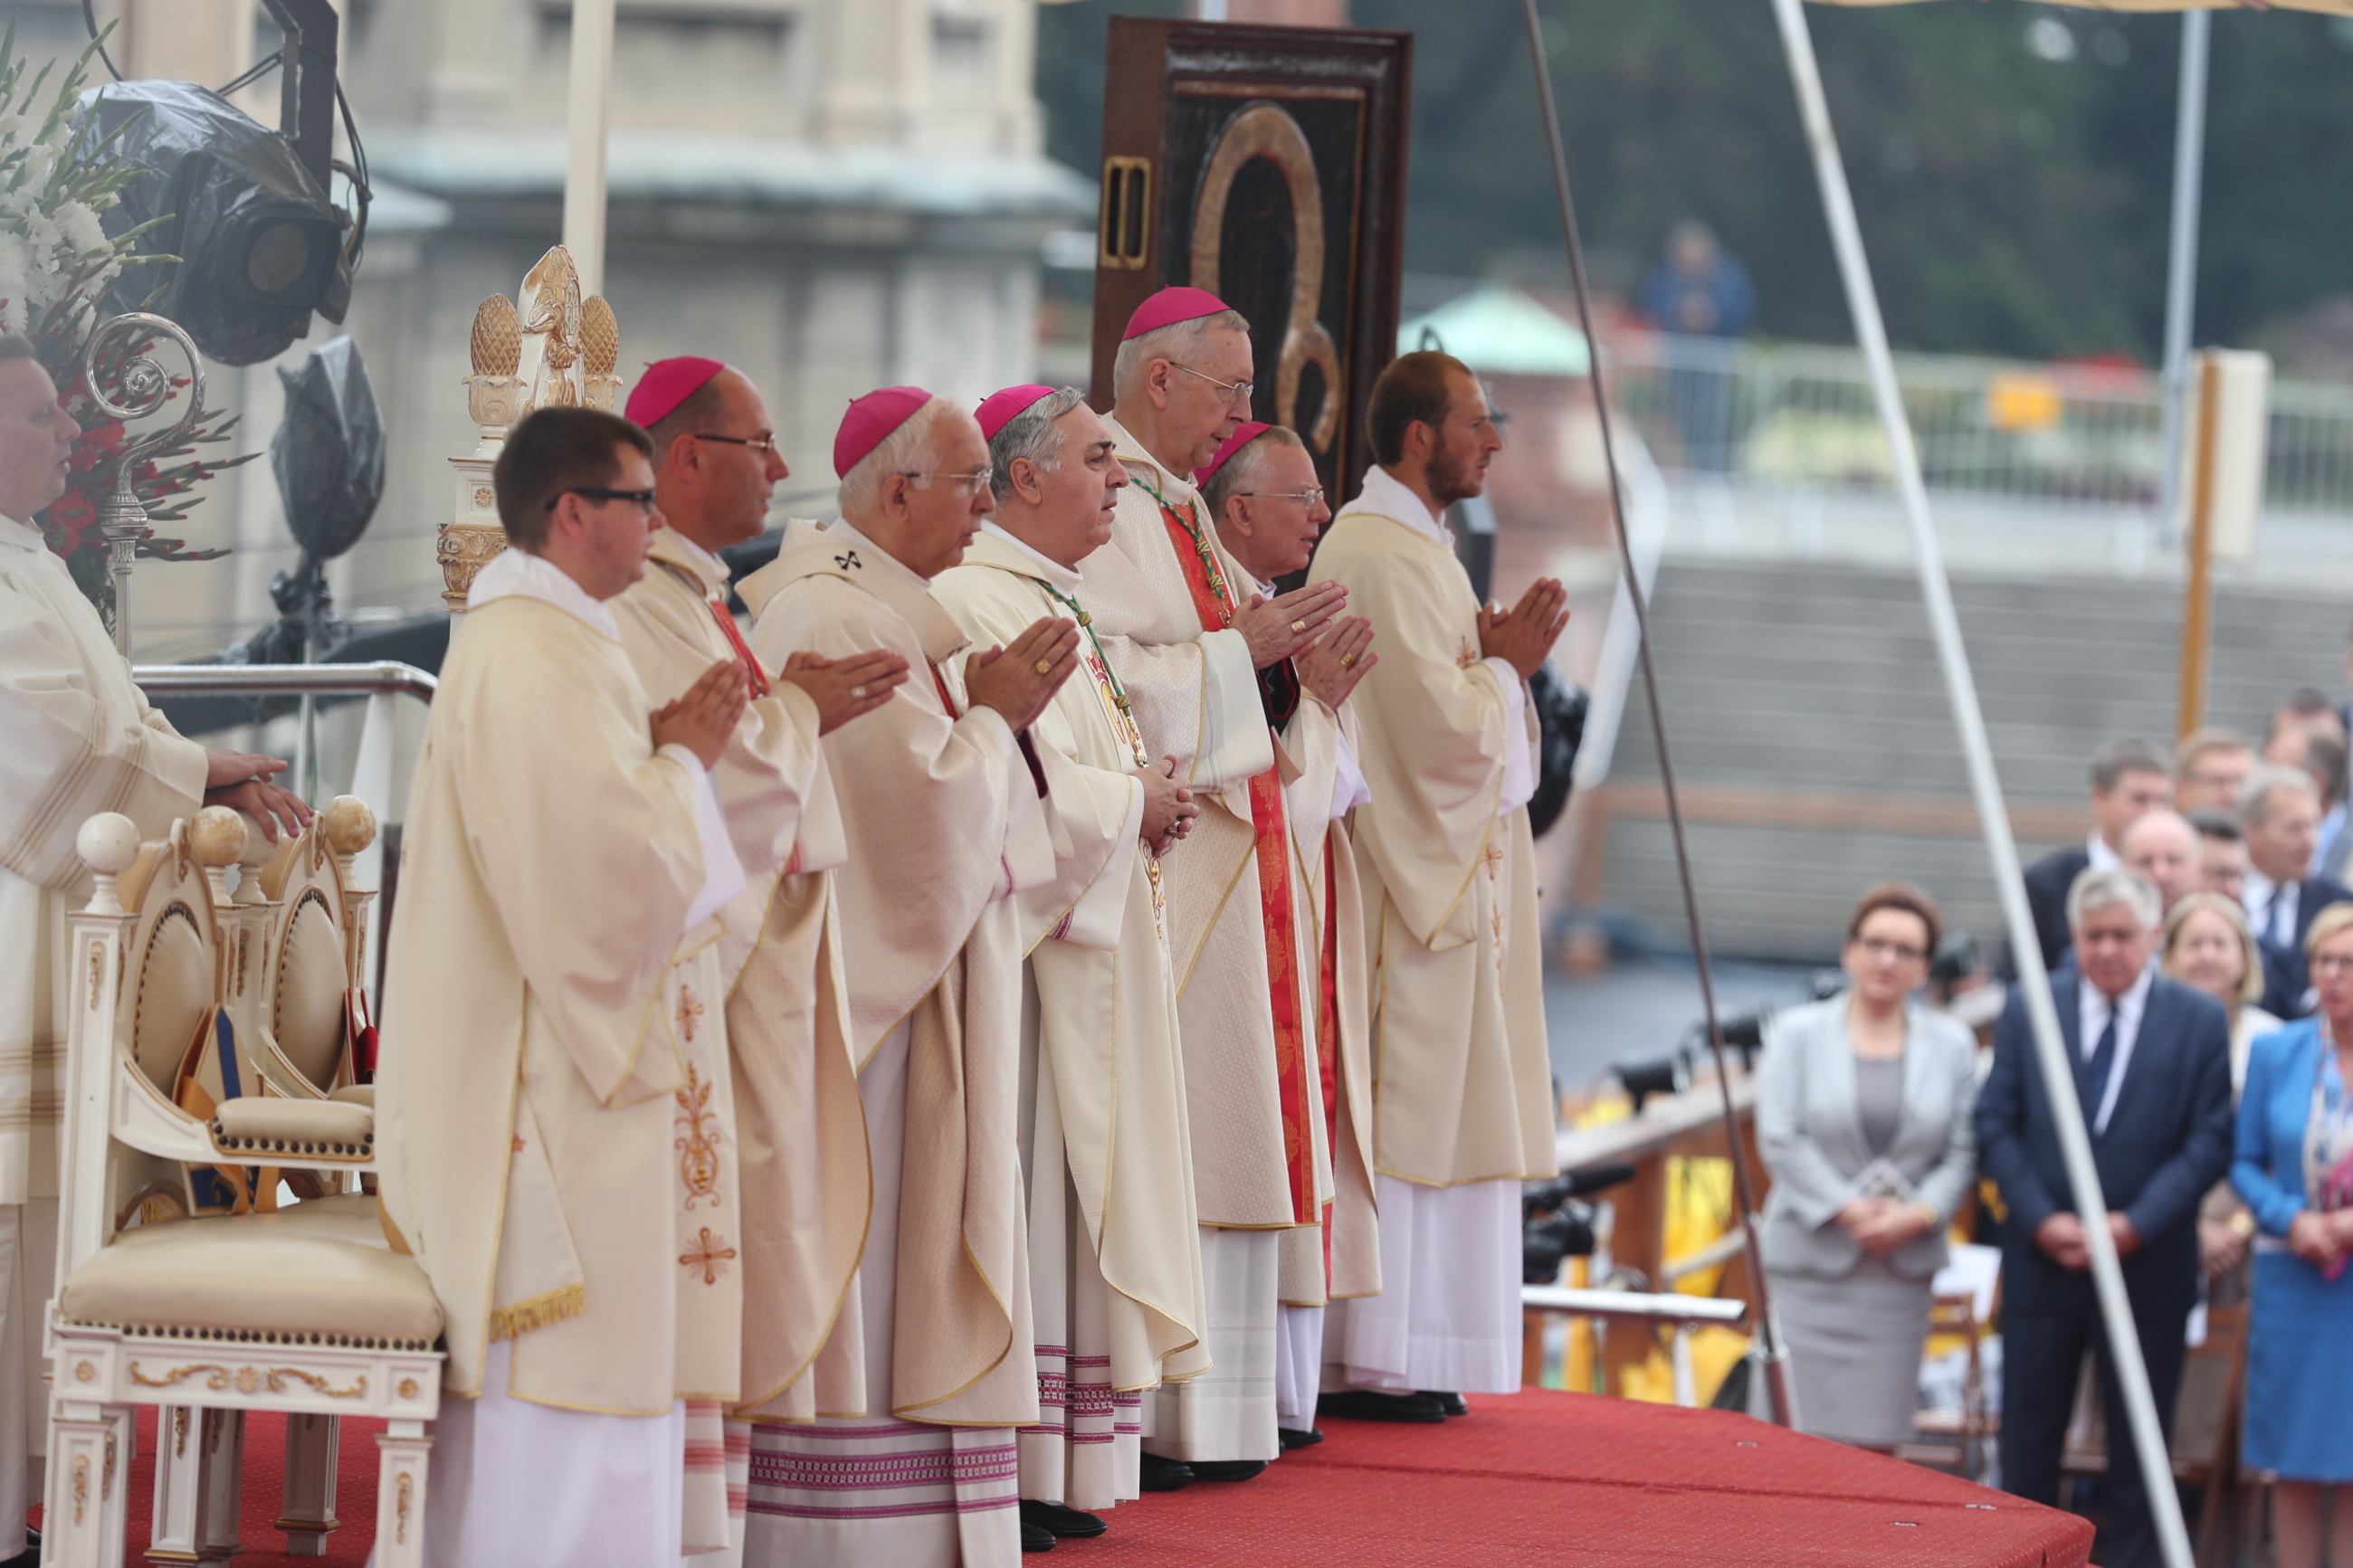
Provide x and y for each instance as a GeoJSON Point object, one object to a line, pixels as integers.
{"type": "Point", "coordinates": [752, 670]}
{"type": "Point", "coordinates": [1213, 599]}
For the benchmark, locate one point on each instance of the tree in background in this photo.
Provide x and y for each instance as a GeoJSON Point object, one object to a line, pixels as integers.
{"type": "Point", "coordinates": [2011, 164]}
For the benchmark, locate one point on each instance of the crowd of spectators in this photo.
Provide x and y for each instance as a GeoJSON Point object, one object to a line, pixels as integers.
{"type": "Point", "coordinates": [2200, 947]}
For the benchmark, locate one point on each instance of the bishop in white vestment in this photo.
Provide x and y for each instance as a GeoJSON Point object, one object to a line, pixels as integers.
{"type": "Point", "coordinates": [1264, 491]}
{"type": "Point", "coordinates": [1184, 633]}
{"type": "Point", "coordinates": [746, 985]}
{"type": "Point", "coordinates": [1114, 1252]}
{"type": "Point", "coordinates": [563, 839]}
{"type": "Point", "coordinates": [76, 738]}
{"type": "Point", "coordinates": [1463, 1108]}
{"type": "Point", "coordinates": [911, 1459]}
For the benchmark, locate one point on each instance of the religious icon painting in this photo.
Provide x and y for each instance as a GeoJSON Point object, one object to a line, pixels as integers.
{"type": "Point", "coordinates": [1266, 165]}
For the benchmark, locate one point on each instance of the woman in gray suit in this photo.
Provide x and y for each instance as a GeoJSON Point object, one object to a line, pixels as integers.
{"type": "Point", "coordinates": [1863, 1118]}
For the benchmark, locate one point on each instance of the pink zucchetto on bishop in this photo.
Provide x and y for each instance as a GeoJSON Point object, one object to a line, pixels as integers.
{"type": "Point", "coordinates": [999, 409]}
{"type": "Point", "coordinates": [666, 384]}
{"type": "Point", "coordinates": [1244, 434]}
{"type": "Point", "coordinates": [1171, 305]}
{"type": "Point", "coordinates": [870, 420]}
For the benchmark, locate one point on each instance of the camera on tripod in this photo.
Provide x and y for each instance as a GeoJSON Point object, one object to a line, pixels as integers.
{"type": "Point", "coordinates": [1555, 1223]}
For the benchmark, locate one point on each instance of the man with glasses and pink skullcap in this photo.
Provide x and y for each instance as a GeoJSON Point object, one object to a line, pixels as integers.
{"type": "Point", "coordinates": [944, 818]}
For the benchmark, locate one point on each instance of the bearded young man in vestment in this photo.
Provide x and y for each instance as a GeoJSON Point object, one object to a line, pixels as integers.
{"type": "Point", "coordinates": [1463, 1108]}
{"type": "Point", "coordinates": [1205, 663]}
{"type": "Point", "coordinates": [911, 1458]}
{"type": "Point", "coordinates": [1264, 491]}
{"type": "Point", "coordinates": [770, 1103]}
{"type": "Point", "coordinates": [564, 837]}
{"type": "Point", "coordinates": [1116, 1270]}
{"type": "Point", "coordinates": [80, 739]}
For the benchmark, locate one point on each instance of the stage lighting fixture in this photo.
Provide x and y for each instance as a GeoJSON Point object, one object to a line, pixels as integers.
{"type": "Point", "coordinates": [1667, 1074]}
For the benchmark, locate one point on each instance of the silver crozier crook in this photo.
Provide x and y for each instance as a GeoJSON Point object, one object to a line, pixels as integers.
{"type": "Point", "coordinates": [144, 388]}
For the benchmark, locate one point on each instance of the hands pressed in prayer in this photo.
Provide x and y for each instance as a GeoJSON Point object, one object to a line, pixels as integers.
{"type": "Point", "coordinates": [1331, 664]}
{"type": "Point", "coordinates": [1279, 627]}
{"type": "Point", "coordinates": [1168, 808]}
{"type": "Point", "coordinates": [843, 689]}
{"type": "Point", "coordinates": [704, 716]}
{"type": "Point", "coordinates": [241, 780]}
{"type": "Point", "coordinates": [1019, 678]}
{"type": "Point", "coordinates": [1522, 636]}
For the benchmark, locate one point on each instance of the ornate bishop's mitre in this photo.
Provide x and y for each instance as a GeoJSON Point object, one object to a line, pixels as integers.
{"type": "Point", "coordinates": [553, 350]}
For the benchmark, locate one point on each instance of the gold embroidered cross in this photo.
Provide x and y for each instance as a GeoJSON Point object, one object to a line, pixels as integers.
{"type": "Point", "coordinates": [712, 1255]}
{"type": "Point", "coordinates": [689, 1010]}
{"type": "Point", "coordinates": [1493, 858]}
{"type": "Point", "coordinates": [1467, 658]}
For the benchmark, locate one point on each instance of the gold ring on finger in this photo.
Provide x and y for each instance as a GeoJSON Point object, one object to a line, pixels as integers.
{"type": "Point", "coordinates": [1298, 628]}
{"type": "Point", "coordinates": [857, 691]}
{"type": "Point", "coordinates": [1045, 667]}
{"type": "Point", "coordinates": [1347, 661]}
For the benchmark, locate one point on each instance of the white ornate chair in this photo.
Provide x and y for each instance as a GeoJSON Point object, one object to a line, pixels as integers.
{"type": "Point", "coordinates": [295, 1311]}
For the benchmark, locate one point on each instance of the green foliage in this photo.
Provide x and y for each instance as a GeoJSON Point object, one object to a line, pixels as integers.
{"type": "Point", "coordinates": [2013, 203]}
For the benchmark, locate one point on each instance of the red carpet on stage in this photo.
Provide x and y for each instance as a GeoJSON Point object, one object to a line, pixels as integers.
{"type": "Point", "coordinates": [1533, 1477]}
{"type": "Point", "coordinates": [1547, 1478]}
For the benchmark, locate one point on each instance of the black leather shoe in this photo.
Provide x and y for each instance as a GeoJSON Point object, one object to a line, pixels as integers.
{"type": "Point", "coordinates": [1159, 1475]}
{"type": "Point", "coordinates": [1227, 1470]}
{"type": "Point", "coordinates": [1062, 1523]}
{"type": "Point", "coordinates": [1296, 1440]}
{"type": "Point", "coordinates": [1451, 1404]}
{"type": "Point", "coordinates": [1036, 1537]}
{"type": "Point", "coordinates": [1365, 1405]}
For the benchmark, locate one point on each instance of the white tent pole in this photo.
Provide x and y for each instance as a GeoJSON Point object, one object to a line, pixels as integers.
{"type": "Point", "coordinates": [2181, 257]}
{"type": "Point", "coordinates": [587, 115]}
{"type": "Point", "coordinates": [2034, 983]}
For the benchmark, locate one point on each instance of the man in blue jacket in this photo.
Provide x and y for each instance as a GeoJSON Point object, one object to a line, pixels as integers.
{"type": "Point", "coordinates": [2152, 1064]}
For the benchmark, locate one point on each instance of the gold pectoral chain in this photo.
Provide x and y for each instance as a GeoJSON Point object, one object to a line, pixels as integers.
{"type": "Point", "coordinates": [1126, 716]}
{"type": "Point", "coordinates": [1226, 599]}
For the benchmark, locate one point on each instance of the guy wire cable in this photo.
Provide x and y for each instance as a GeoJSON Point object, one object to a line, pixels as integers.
{"type": "Point", "coordinates": [1772, 1354]}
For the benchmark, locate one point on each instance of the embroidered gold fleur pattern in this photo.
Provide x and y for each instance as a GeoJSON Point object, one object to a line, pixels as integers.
{"type": "Point", "coordinates": [711, 1254]}
{"type": "Point", "coordinates": [697, 1145]}
{"type": "Point", "coordinates": [689, 1013]}
{"type": "Point", "coordinates": [1467, 658]}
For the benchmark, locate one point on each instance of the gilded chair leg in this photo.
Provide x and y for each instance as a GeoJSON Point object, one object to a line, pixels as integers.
{"type": "Point", "coordinates": [178, 1519]}
{"type": "Point", "coordinates": [400, 1494]}
{"type": "Point", "coordinates": [307, 1505]}
{"type": "Point", "coordinates": [120, 1445]}
{"type": "Point", "coordinates": [74, 1532]}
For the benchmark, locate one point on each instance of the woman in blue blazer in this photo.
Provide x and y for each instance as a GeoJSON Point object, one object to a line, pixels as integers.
{"type": "Point", "coordinates": [2294, 1166]}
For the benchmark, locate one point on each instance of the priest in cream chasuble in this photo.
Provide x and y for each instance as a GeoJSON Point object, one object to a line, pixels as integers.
{"type": "Point", "coordinates": [76, 738]}
{"type": "Point", "coordinates": [744, 992]}
{"type": "Point", "coordinates": [564, 842]}
{"type": "Point", "coordinates": [1173, 607]}
{"type": "Point", "coordinates": [1462, 1106]}
{"type": "Point", "coordinates": [1262, 489]}
{"type": "Point", "coordinates": [1114, 1252]}
{"type": "Point", "coordinates": [927, 1370]}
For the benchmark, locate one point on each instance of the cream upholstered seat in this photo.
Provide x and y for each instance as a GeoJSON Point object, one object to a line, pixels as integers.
{"type": "Point", "coordinates": [277, 1278]}
{"type": "Point", "coordinates": [309, 1310]}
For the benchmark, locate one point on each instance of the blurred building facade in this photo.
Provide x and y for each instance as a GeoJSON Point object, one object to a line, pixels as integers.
{"type": "Point", "coordinates": [832, 194]}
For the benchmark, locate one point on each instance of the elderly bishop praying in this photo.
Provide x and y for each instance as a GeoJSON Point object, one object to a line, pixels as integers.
{"type": "Point", "coordinates": [1184, 631]}
{"type": "Point", "coordinates": [928, 1369]}
{"type": "Point", "coordinates": [1115, 1264]}
{"type": "Point", "coordinates": [771, 1142]}
{"type": "Point", "coordinates": [563, 838]}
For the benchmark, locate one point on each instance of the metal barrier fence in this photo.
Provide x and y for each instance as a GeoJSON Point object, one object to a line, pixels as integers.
{"type": "Point", "coordinates": [2087, 434]}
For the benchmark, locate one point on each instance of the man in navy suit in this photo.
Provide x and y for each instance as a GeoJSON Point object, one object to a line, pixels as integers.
{"type": "Point", "coordinates": [2152, 1064]}
{"type": "Point", "coordinates": [2279, 812]}
{"type": "Point", "coordinates": [2128, 778]}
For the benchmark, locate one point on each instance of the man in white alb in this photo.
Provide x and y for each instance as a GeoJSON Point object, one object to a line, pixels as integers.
{"type": "Point", "coordinates": [911, 1458]}
{"type": "Point", "coordinates": [76, 738]}
{"type": "Point", "coordinates": [1462, 1110]}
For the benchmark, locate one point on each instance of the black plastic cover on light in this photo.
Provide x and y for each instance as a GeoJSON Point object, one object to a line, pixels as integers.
{"type": "Point", "coordinates": [260, 243]}
{"type": "Point", "coordinates": [328, 454]}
